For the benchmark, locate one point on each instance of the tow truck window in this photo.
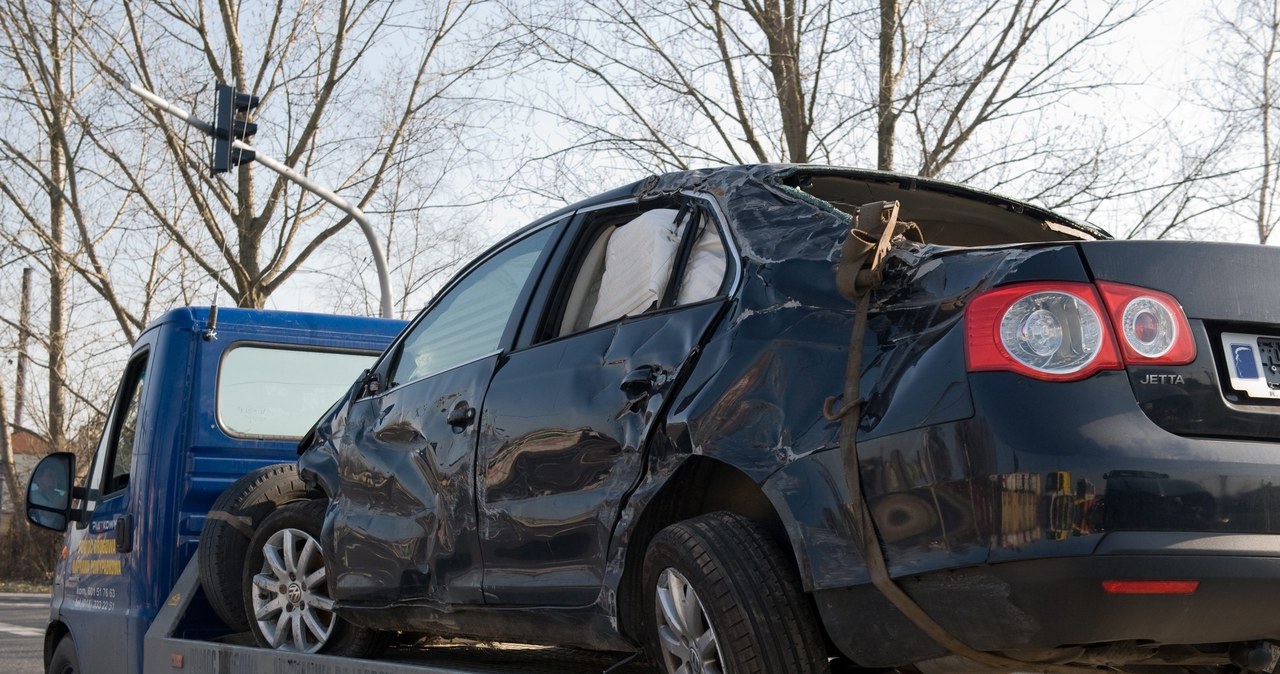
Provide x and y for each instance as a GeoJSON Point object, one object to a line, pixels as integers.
{"type": "Point", "coordinates": [114, 455]}
{"type": "Point", "coordinates": [266, 392]}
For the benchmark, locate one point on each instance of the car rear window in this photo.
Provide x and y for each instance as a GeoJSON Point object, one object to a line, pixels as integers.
{"type": "Point", "coordinates": [266, 392]}
{"type": "Point", "coordinates": [947, 218]}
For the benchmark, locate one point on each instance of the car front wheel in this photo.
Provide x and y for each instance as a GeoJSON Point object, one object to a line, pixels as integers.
{"type": "Point", "coordinates": [228, 530]}
{"type": "Point", "coordinates": [286, 588]}
{"type": "Point", "coordinates": [723, 597]}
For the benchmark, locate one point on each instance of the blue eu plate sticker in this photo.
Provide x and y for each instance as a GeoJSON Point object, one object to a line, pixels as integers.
{"type": "Point", "coordinates": [1245, 363]}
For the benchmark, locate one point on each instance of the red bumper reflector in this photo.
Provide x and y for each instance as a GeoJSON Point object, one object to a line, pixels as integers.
{"type": "Point", "coordinates": [1150, 586]}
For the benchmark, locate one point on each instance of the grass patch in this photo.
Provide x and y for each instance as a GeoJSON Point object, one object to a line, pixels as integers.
{"type": "Point", "coordinates": [24, 587]}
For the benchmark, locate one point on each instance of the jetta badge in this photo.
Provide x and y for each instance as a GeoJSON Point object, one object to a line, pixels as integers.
{"type": "Point", "coordinates": [1162, 379]}
{"type": "Point", "coordinates": [1246, 365]}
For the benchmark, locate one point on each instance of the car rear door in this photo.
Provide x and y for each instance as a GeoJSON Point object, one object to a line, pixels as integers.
{"type": "Point", "coordinates": [566, 417]}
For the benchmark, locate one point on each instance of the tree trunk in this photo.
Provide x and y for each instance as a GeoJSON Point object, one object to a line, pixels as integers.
{"type": "Point", "coordinates": [886, 116]}
{"type": "Point", "coordinates": [57, 414]}
{"type": "Point", "coordinates": [779, 23]}
{"type": "Point", "coordinates": [12, 485]}
{"type": "Point", "coordinates": [24, 341]}
{"type": "Point", "coordinates": [1265, 195]}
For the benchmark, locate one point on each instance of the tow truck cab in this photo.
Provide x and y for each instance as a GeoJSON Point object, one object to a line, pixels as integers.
{"type": "Point", "coordinates": [207, 395]}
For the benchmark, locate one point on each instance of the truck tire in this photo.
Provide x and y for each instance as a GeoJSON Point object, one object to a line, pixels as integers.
{"type": "Point", "coordinates": [231, 523]}
{"type": "Point", "coordinates": [720, 590]}
{"type": "Point", "coordinates": [64, 660]}
{"type": "Point", "coordinates": [286, 592]}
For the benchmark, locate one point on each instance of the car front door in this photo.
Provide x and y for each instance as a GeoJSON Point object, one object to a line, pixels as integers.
{"type": "Point", "coordinates": [566, 417]}
{"type": "Point", "coordinates": [403, 526]}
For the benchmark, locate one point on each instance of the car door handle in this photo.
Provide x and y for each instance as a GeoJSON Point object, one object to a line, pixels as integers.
{"type": "Point", "coordinates": [124, 533]}
{"type": "Point", "coordinates": [398, 433]}
{"type": "Point", "coordinates": [639, 382]}
{"type": "Point", "coordinates": [461, 415]}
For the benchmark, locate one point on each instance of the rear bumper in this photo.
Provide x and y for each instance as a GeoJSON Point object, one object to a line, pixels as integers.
{"type": "Point", "coordinates": [1030, 607]}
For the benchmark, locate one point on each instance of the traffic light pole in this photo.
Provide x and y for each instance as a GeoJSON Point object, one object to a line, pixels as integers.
{"type": "Point", "coordinates": [379, 260]}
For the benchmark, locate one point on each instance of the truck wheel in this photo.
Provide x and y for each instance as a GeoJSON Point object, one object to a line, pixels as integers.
{"type": "Point", "coordinates": [224, 540]}
{"type": "Point", "coordinates": [286, 588]}
{"type": "Point", "coordinates": [64, 659]}
{"type": "Point", "coordinates": [723, 597]}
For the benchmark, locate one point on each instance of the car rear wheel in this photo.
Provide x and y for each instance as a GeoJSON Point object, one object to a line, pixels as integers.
{"type": "Point", "coordinates": [722, 597]}
{"type": "Point", "coordinates": [230, 525]}
{"type": "Point", "coordinates": [286, 590]}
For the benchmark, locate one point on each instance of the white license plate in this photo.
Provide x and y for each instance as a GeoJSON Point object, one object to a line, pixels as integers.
{"type": "Point", "coordinates": [1253, 364]}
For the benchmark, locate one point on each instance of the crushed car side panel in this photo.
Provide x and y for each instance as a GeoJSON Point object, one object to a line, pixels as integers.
{"type": "Point", "coordinates": [755, 400]}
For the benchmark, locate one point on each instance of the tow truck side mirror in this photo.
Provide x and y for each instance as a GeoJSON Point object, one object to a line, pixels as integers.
{"type": "Point", "coordinates": [49, 492]}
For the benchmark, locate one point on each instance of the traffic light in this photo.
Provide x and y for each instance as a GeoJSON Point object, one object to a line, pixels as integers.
{"type": "Point", "coordinates": [230, 121]}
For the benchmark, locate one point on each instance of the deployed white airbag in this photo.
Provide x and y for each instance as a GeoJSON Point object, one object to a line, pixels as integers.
{"type": "Point", "coordinates": [637, 263]}
{"type": "Point", "coordinates": [705, 271]}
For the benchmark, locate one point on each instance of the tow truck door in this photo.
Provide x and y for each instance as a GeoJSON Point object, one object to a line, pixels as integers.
{"type": "Point", "coordinates": [105, 581]}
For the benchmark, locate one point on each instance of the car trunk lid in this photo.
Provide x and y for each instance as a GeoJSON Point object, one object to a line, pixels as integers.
{"type": "Point", "coordinates": [1232, 299]}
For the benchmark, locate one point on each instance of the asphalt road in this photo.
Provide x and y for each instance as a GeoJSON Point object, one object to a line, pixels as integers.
{"type": "Point", "coordinates": [22, 620]}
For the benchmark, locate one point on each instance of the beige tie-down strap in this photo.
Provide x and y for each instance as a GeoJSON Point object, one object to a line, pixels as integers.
{"type": "Point", "coordinates": [242, 524]}
{"type": "Point", "coordinates": [859, 272]}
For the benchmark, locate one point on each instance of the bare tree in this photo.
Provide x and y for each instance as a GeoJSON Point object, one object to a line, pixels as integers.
{"type": "Point", "coordinates": [954, 89]}
{"type": "Point", "coordinates": [314, 66]}
{"type": "Point", "coordinates": [960, 67]}
{"type": "Point", "coordinates": [113, 204]}
{"type": "Point", "coordinates": [1245, 94]}
{"type": "Point", "coordinates": [35, 41]}
{"type": "Point", "coordinates": [674, 84]}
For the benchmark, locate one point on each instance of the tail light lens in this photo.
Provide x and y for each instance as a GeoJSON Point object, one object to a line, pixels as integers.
{"type": "Point", "coordinates": [1152, 326]}
{"type": "Point", "coordinates": [1055, 330]}
{"type": "Point", "coordinates": [1051, 331]}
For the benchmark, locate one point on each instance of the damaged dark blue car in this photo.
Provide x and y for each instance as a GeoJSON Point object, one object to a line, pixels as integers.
{"type": "Point", "coordinates": [792, 418]}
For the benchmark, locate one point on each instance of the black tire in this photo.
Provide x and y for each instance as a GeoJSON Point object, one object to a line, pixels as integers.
{"type": "Point", "coordinates": [745, 591]}
{"type": "Point", "coordinates": [295, 523]}
{"type": "Point", "coordinates": [232, 520]}
{"type": "Point", "coordinates": [64, 660]}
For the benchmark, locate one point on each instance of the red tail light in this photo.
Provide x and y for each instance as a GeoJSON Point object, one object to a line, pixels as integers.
{"type": "Point", "coordinates": [1151, 326]}
{"type": "Point", "coordinates": [1065, 331]}
{"type": "Point", "coordinates": [1055, 331]}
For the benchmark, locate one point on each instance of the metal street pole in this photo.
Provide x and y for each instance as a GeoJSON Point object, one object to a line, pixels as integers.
{"type": "Point", "coordinates": [379, 260]}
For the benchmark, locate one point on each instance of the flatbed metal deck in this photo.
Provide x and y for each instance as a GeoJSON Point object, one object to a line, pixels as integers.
{"type": "Point", "coordinates": [164, 652]}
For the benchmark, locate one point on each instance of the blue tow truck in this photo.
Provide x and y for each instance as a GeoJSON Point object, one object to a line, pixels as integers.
{"type": "Point", "coordinates": [207, 396]}
{"type": "Point", "coordinates": [209, 399]}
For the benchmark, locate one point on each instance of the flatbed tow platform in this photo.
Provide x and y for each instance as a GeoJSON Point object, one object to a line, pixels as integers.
{"type": "Point", "coordinates": [176, 642]}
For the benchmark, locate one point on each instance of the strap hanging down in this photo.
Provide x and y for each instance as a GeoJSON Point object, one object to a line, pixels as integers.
{"type": "Point", "coordinates": [860, 271]}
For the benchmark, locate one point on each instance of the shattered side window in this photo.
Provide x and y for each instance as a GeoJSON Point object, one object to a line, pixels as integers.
{"type": "Point", "coordinates": [627, 268]}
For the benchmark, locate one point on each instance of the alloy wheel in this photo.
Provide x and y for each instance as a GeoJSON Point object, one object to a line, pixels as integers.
{"type": "Point", "coordinates": [291, 602]}
{"type": "Point", "coordinates": [689, 643]}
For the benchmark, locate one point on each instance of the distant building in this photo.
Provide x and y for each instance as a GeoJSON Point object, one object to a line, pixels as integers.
{"type": "Point", "coordinates": [28, 449]}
